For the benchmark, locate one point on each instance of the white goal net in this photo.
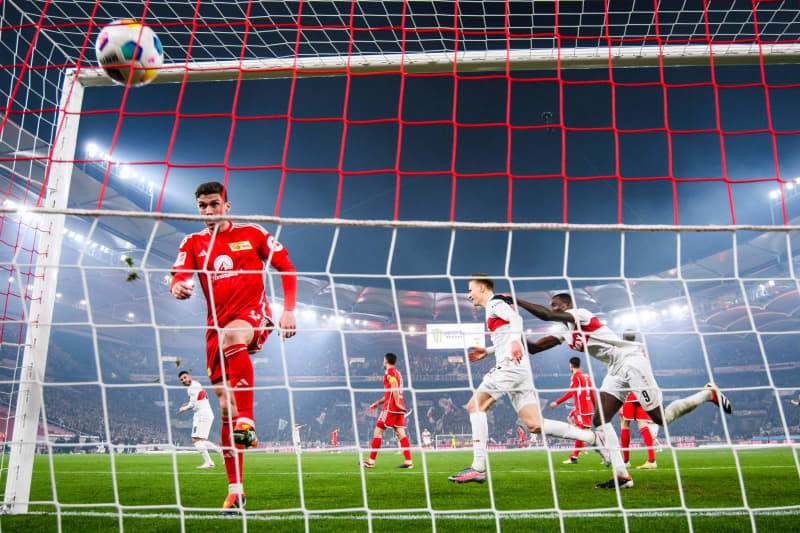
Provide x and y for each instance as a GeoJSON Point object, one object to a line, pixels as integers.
{"type": "Point", "coordinates": [639, 156]}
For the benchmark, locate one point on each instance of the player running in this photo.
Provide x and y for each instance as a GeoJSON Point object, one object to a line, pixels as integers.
{"type": "Point", "coordinates": [511, 375]}
{"type": "Point", "coordinates": [393, 414]}
{"type": "Point", "coordinates": [203, 418]}
{"type": "Point", "coordinates": [229, 258]}
{"type": "Point", "coordinates": [628, 370]}
{"type": "Point", "coordinates": [580, 390]}
{"type": "Point", "coordinates": [631, 410]}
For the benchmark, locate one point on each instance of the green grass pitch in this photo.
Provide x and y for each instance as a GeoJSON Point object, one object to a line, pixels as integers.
{"type": "Point", "coordinates": [397, 500]}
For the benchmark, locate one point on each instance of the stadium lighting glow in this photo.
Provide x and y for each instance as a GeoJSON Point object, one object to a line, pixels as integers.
{"type": "Point", "coordinates": [412, 328]}
{"type": "Point", "coordinates": [92, 149]}
{"type": "Point", "coordinates": [59, 296]}
{"type": "Point", "coordinates": [797, 180]}
{"type": "Point", "coordinates": [774, 194]}
{"type": "Point", "coordinates": [771, 283]}
{"type": "Point", "coordinates": [339, 319]}
{"type": "Point", "coordinates": [790, 185]}
{"type": "Point", "coordinates": [309, 313]}
{"type": "Point", "coordinates": [125, 173]}
{"type": "Point", "coordinates": [82, 302]}
{"type": "Point", "coordinates": [131, 315]}
{"type": "Point", "coordinates": [79, 237]}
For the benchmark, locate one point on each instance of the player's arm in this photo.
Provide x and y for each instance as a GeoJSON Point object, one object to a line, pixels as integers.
{"type": "Point", "coordinates": [182, 272]}
{"type": "Point", "coordinates": [543, 313]}
{"type": "Point", "coordinates": [279, 259]}
{"type": "Point", "coordinates": [542, 344]}
{"type": "Point", "coordinates": [573, 387]}
{"type": "Point", "coordinates": [375, 405]}
{"type": "Point", "coordinates": [476, 354]}
{"type": "Point", "coordinates": [504, 311]}
{"type": "Point", "coordinates": [184, 407]}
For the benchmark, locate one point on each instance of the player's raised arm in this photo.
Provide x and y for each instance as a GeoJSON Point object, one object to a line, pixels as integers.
{"type": "Point", "coordinates": [543, 313]}
{"type": "Point", "coordinates": [545, 343]}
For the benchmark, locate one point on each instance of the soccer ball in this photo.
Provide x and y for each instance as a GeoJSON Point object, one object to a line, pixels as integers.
{"type": "Point", "coordinates": [120, 43]}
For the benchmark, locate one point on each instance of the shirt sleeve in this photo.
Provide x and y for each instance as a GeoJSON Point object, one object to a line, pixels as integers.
{"type": "Point", "coordinates": [502, 310]}
{"type": "Point", "coordinates": [277, 255]}
{"type": "Point", "coordinates": [573, 386]}
{"type": "Point", "coordinates": [184, 266]}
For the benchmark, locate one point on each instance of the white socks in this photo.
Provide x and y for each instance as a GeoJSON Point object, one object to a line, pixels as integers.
{"type": "Point", "coordinates": [678, 408]}
{"type": "Point", "coordinates": [653, 427]}
{"type": "Point", "coordinates": [556, 428]}
{"type": "Point", "coordinates": [611, 443]}
{"type": "Point", "coordinates": [203, 449]}
{"type": "Point", "coordinates": [480, 434]}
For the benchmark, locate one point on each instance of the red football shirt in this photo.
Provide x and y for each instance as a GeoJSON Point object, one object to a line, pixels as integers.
{"type": "Point", "coordinates": [232, 276]}
{"type": "Point", "coordinates": [580, 390]}
{"type": "Point", "coordinates": [393, 380]}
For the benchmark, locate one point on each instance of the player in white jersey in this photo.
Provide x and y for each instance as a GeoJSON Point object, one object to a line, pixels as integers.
{"type": "Point", "coordinates": [628, 371]}
{"type": "Point", "coordinates": [427, 440]}
{"type": "Point", "coordinates": [296, 434]}
{"type": "Point", "coordinates": [203, 418]}
{"type": "Point", "coordinates": [511, 375]}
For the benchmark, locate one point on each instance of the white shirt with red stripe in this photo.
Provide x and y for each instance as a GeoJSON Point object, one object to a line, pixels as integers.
{"type": "Point", "coordinates": [505, 327]}
{"type": "Point", "coordinates": [198, 401]}
{"type": "Point", "coordinates": [595, 338]}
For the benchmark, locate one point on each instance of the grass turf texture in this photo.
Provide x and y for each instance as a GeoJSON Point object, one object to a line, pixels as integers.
{"type": "Point", "coordinates": [332, 482]}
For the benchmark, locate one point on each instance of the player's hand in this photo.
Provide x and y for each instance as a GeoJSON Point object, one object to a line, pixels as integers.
{"type": "Point", "coordinates": [183, 289]}
{"type": "Point", "coordinates": [516, 352]}
{"type": "Point", "coordinates": [794, 402]}
{"type": "Point", "coordinates": [553, 405]}
{"type": "Point", "coordinates": [287, 324]}
{"type": "Point", "coordinates": [476, 354]}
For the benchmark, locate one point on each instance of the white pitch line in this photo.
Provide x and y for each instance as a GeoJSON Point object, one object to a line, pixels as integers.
{"type": "Point", "coordinates": [443, 516]}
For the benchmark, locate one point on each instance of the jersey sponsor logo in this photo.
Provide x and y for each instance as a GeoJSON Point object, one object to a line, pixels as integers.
{"type": "Point", "coordinates": [239, 246]}
{"type": "Point", "coordinates": [180, 260]}
{"type": "Point", "coordinates": [273, 244]}
{"type": "Point", "coordinates": [223, 262]}
{"type": "Point", "coordinates": [202, 254]}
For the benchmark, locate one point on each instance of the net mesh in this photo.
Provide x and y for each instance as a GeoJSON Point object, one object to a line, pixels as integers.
{"type": "Point", "coordinates": [692, 136]}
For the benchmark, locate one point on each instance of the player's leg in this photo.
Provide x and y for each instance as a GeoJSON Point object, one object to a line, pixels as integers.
{"type": "Point", "coordinates": [643, 421]}
{"type": "Point", "coordinates": [480, 402]}
{"type": "Point", "coordinates": [612, 396]}
{"type": "Point", "coordinates": [400, 431]}
{"type": "Point", "coordinates": [235, 337]}
{"type": "Point", "coordinates": [201, 426]}
{"type": "Point", "coordinates": [678, 408]}
{"type": "Point", "coordinates": [377, 439]}
{"type": "Point", "coordinates": [625, 436]}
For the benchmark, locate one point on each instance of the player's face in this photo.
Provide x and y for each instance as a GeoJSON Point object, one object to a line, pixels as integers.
{"type": "Point", "coordinates": [212, 204]}
{"type": "Point", "coordinates": [186, 379]}
{"type": "Point", "coordinates": [385, 364]}
{"type": "Point", "coordinates": [477, 293]}
{"type": "Point", "coordinates": [557, 305]}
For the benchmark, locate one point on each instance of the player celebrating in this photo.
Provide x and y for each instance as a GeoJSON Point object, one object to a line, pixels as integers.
{"type": "Point", "coordinates": [203, 417]}
{"type": "Point", "coordinates": [393, 414]}
{"type": "Point", "coordinates": [631, 410]}
{"type": "Point", "coordinates": [296, 434]}
{"type": "Point", "coordinates": [230, 259]}
{"type": "Point", "coordinates": [580, 390]}
{"type": "Point", "coordinates": [628, 370]}
{"type": "Point", "coordinates": [511, 375]}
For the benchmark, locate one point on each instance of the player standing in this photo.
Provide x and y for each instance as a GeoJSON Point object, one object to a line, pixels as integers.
{"type": "Point", "coordinates": [580, 390]}
{"type": "Point", "coordinates": [229, 258]}
{"type": "Point", "coordinates": [203, 417]}
{"type": "Point", "coordinates": [296, 434]}
{"type": "Point", "coordinates": [393, 414]}
{"type": "Point", "coordinates": [522, 437]}
{"type": "Point", "coordinates": [335, 438]}
{"type": "Point", "coordinates": [427, 440]}
{"type": "Point", "coordinates": [512, 376]}
{"type": "Point", "coordinates": [628, 370]}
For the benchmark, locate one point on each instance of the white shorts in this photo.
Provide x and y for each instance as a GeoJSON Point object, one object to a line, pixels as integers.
{"type": "Point", "coordinates": [516, 382]}
{"type": "Point", "coordinates": [201, 425]}
{"type": "Point", "coordinates": [635, 375]}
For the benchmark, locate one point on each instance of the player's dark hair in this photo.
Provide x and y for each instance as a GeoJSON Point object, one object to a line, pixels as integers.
{"type": "Point", "coordinates": [211, 187]}
{"type": "Point", "coordinates": [564, 297]}
{"type": "Point", "coordinates": [182, 372]}
{"type": "Point", "coordinates": [575, 361]}
{"type": "Point", "coordinates": [484, 279]}
{"type": "Point", "coordinates": [629, 335]}
{"type": "Point", "coordinates": [390, 358]}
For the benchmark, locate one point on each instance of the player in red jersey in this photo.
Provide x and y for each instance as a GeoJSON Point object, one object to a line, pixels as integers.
{"type": "Point", "coordinates": [393, 414]}
{"type": "Point", "coordinates": [335, 438]}
{"type": "Point", "coordinates": [522, 438]}
{"type": "Point", "coordinates": [229, 259]}
{"type": "Point", "coordinates": [629, 370]}
{"type": "Point", "coordinates": [580, 390]}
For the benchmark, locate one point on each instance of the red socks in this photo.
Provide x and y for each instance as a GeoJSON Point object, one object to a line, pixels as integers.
{"type": "Point", "coordinates": [406, 449]}
{"type": "Point", "coordinates": [376, 443]}
{"type": "Point", "coordinates": [648, 441]}
{"type": "Point", "coordinates": [625, 443]}
{"type": "Point", "coordinates": [578, 445]}
{"type": "Point", "coordinates": [232, 457]}
{"type": "Point", "coordinates": [239, 375]}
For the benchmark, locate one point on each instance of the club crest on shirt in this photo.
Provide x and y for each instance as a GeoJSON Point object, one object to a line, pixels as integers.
{"type": "Point", "coordinates": [241, 245]}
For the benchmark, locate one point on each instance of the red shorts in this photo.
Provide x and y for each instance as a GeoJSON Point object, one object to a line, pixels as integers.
{"type": "Point", "coordinates": [253, 317]}
{"type": "Point", "coordinates": [391, 420]}
{"type": "Point", "coordinates": [634, 411]}
{"type": "Point", "coordinates": [582, 421]}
